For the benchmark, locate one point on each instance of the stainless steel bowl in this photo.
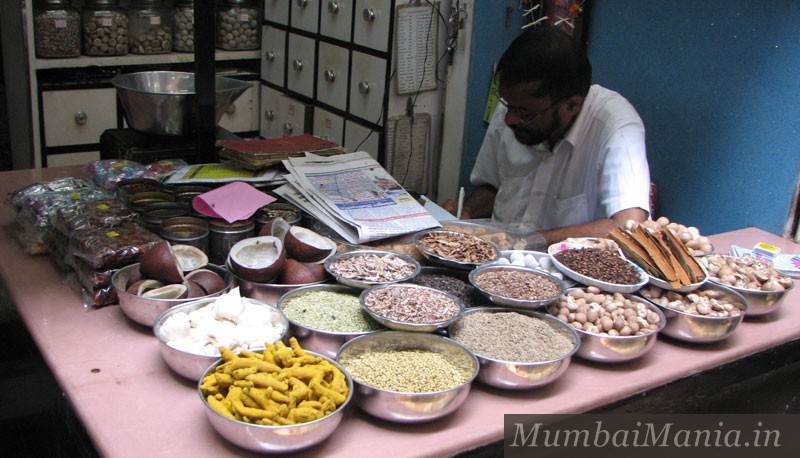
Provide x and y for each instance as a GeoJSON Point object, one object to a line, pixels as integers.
{"type": "Point", "coordinates": [321, 341]}
{"type": "Point", "coordinates": [451, 263]}
{"type": "Point", "coordinates": [695, 328]}
{"type": "Point", "coordinates": [618, 349]}
{"type": "Point", "coordinates": [277, 439]}
{"type": "Point", "coordinates": [143, 310]}
{"type": "Point", "coordinates": [760, 302]}
{"type": "Point", "coordinates": [163, 102]}
{"type": "Point", "coordinates": [363, 283]}
{"type": "Point", "coordinates": [514, 375]}
{"type": "Point", "coordinates": [510, 301]}
{"type": "Point", "coordinates": [270, 293]}
{"type": "Point", "coordinates": [193, 365]}
{"type": "Point", "coordinates": [404, 407]}
{"type": "Point", "coordinates": [399, 325]}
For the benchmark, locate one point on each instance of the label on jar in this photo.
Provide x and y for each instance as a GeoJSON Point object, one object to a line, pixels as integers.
{"type": "Point", "coordinates": [155, 20]}
{"type": "Point", "coordinates": [60, 23]}
{"type": "Point", "coordinates": [106, 21]}
{"type": "Point", "coordinates": [244, 17]}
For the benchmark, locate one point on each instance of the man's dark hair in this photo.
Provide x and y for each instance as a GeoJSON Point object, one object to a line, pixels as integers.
{"type": "Point", "coordinates": [550, 55]}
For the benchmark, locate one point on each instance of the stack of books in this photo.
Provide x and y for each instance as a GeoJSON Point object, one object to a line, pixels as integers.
{"type": "Point", "coordinates": [259, 154]}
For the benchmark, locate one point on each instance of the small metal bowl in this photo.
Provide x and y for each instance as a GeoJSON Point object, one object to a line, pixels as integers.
{"type": "Point", "coordinates": [760, 302]}
{"type": "Point", "coordinates": [362, 283]}
{"type": "Point", "coordinates": [192, 365]}
{"type": "Point", "coordinates": [696, 328]}
{"type": "Point", "coordinates": [399, 325]}
{"type": "Point", "coordinates": [515, 375]}
{"type": "Point", "coordinates": [143, 310]}
{"type": "Point", "coordinates": [322, 341]}
{"type": "Point", "coordinates": [507, 301]}
{"type": "Point", "coordinates": [277, 439]}
{"type": "Point", "coordinates": [405, 407]}
{"type": "Point", "coordinates": [452, 263]}
{"type": "Point", "coordinates": [617, 349]}
{"type": "Point", "coordinates": [267, 292]}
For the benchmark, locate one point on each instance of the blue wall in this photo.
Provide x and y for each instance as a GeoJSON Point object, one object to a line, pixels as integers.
{"type": "Point", "coordinates": [717, 84]}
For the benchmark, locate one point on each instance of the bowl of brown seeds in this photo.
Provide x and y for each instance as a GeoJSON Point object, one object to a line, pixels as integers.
{"type": "Point", "coordinates": [516, 286]}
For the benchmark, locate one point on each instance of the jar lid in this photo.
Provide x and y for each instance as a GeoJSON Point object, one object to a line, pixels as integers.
{"type": "Point", "coordinates": [47, 3]}
{"type": "Point", "coordinates": [112, 3]}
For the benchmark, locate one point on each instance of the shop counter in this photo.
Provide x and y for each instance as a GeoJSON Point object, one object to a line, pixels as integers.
{"type": "Point", "coordinates": [131, 404]}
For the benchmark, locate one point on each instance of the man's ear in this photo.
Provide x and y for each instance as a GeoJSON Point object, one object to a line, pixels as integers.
{"type": "Point", "coordinates": [573, 104]}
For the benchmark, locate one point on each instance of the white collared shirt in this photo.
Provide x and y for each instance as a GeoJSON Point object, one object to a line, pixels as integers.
{"type": "Point", "coordinates": [597, 169]}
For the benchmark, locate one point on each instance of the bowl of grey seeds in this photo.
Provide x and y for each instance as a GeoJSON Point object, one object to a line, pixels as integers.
{"type": "Point", "coordinates": [408, 377]}
{"type": "Point", "coordinates": [517, 349]}
{"type": "Point", "coordinates": [323, 317]}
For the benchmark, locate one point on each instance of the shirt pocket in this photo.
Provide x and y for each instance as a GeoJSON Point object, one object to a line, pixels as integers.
{"type": "Point", "coordinates": [572, 210]}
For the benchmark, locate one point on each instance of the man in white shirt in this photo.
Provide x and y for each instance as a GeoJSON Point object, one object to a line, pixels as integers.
{"type": "Point", "coordinates": [561, 156]}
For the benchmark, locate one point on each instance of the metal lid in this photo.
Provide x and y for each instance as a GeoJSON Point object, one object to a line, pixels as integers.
{"type": "Point", "coordinates": [220, 225]}
{"type": "Point", "coordinates": [51, 3]}
{"type": "Point", "coordinates": [110, 3]}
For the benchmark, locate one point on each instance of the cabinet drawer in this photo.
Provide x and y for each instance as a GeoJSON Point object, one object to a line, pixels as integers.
{"type": "Point", "coordinates": [332, 73]}
{"type": "Point", "coordinates": [336, 19]}
{"type": "Point", "coordinates": [273, 55]}
{"type": "Point", "coordinates": [78, 117]}
{"type": "Point", "coordinates": [242, 114]}
{"type": "Point", "coordinates": [277, 11]}
{"type": "Point", "coordinates": [328, 126]}
{"type": "Point", "coordinates": [305, 14]}
{"type": "Point", "coordinates": [300, 71]}
{"type": "Point", "coordinates": [360, 138]}
{"type": "Point", "coordinates": [372, 23]}
{"type": "Point", "coordinates": [367, 87]}
{"type": "Point", "coordinates": [282, 116]}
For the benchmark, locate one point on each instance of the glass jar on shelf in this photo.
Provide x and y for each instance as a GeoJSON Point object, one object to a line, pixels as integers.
{"type": "Point", "coordinates": [150, 25]}
{"type": "Point", "coordinates": [105, 28]}
{"type": "Point", "coordinates": [183, 26]}
{"type": "Point", "coordinates": [238, 25]}
{"type": "Point", "coordinates": [56, 29]}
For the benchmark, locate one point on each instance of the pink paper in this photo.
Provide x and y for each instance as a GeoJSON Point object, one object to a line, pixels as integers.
{"type": "Point", "coordinates": [232, 202]}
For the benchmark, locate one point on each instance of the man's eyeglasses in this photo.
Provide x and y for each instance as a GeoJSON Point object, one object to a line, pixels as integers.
{"type": "Point", "coordinates": [524, 115]}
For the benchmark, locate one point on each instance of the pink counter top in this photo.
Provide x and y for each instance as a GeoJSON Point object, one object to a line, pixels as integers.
{"type": "Point", "coordinates": [133, 405]}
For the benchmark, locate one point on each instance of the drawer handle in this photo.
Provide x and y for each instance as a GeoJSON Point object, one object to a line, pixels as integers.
{"type": "Point", "coordinates": [368, 14]}
{"type": "Point", "coordinates": [329, 75]}
{"type": "Point", "coordinates": [81, 118]}
{"type": "Point", "coordinates": [302, 3]}
{"type": "Point", "coordinates": [363, 87]}
{"type": "Point", "coordinates": [231, 109]}
{"type": "Point", "coordinates": [297, 65]}
{"type": "Point", "coordinates": [269, 56]}
{"type": "Point", "coordinates": [269, 115]}
{"type": "Point", "coordinates": [288, 128]}
{"type": "Point", "coordinates": [333, 7]}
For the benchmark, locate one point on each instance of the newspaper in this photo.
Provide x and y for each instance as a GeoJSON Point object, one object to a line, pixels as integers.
{"type": "Point", "coordinates": [353, 195]}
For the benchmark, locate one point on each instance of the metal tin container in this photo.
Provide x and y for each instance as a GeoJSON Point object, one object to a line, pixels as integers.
{"type": "Point", "coordinates": [155, 214]}
{"type": "Point", "coordinates": [290, 213]}
{"type": "Point", "coordinates": [223, 235]}
{"type": "Point", "coordinates": [186, 230]}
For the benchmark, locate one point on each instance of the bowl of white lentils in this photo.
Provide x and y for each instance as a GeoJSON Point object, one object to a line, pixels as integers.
{"type": "Point", "coordinates": [517, 349]}
{"type": "Point", "coordinates": [408, 377]}
{"type": "Point", "coordinates": [614, 327]}
{"type": "Point", "coordinates": [323, 317]}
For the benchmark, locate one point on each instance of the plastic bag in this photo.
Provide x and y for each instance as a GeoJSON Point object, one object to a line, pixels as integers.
{"type": "Point", "coordinates": [104, 248]}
